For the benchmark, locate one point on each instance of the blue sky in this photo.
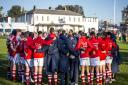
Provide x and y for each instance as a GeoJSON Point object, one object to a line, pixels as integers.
{"type": "Point", "coordinates": [103, 9]}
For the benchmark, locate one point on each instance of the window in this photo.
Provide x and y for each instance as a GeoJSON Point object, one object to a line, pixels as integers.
{"type": "Point", "coordinates": [47, 18]}
{"type": "Point", "coordinates": [93, 19]}
{"type": "Point", "coordinates": [69, 18]}
{"type": "Point", "coordinates": [37, 18]}
{"type": "Point", "coordinates": [79, 19]}
{"type": "Point", "coordinates": [74, 19]}
{"type": "Point", "coordinates": [63, 18]}
{"type": "Point", "coordinates": [88, 19]}
{"type": "Point", "coordinates": [42, 18]}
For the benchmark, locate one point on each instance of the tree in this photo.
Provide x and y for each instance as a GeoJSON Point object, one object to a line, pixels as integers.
{"type": "Point", "coordinates": [1, 8]}
{"type": "Point", "coordinates": [74, 8]}
{"type": "Point", "coordinates": [15, 11]}
{"type": "Point", "coordinates": [60, 7]}
{"type": "Point", "coordinates": [49, 7]}
{"type": "Point", "coordinates": [34, 7]}
{"type": "Point", "coordinates": [23, 10]}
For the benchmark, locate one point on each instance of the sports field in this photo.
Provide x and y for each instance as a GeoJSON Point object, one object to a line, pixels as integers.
{"type": "Point", "coordinates": [122, 76]}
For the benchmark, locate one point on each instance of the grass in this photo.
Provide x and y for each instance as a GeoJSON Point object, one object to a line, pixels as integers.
{"type": "Point", "coordinates": [122, 76]}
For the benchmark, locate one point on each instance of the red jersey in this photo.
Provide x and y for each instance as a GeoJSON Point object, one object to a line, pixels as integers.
{"type": "Point", "coordinates": [14, 46]}
{"type": "Point", "coordinates": [38, 44]}
{"type": "Point", "coordinates": [21, 48]}
{"type": "Point", "coordinates": [95, 47]}
{"type": "Point", "coordinates": [27, 48]}
{"type": "Point", "coordinates": [110, 45]}
{"type": "Point", "coordinates": [102, 49]}
{"type": "Point", "coordinates": [83, 43]}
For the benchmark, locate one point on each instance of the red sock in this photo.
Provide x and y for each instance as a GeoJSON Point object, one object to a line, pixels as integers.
{"type": "Point", "coordinates": [100, 78]}
{"type": "Point", "coordinates": [104, 76]}
{"type": "Point", "coordinates": [97, 78]}
{"type": "Point", "coordinates": [88, 75]}
{"type": "Point", "coordinates": [13, 75]}
{"type": "Point", "coordinates": [49, 79]}
{"type": "Point", "coordinates": [91, 79]}
{"type": "Point", "coordinates": [110, 74]}
{"type": "Point", "coordinates": [27, 78]}
{"type": "Point", "coordinates": [39, 78]}
{"type": "Point", "coordinates": [55, 78]}
{"type": "Point", "coordinates": [83, 78]}
{"type": "Point", "coordinates": [107, 73]}
{"type": "Point", "coordinates": [35, 78]}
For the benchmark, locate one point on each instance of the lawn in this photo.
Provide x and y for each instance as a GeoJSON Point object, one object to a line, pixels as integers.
{"type": "Point", "coordinates": [122, 76]}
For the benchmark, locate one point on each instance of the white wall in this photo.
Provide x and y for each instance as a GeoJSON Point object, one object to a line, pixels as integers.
{"type": "Point", "coordinates": [90, 23]}
{"type": "Point", "coordinates": [85, 23]}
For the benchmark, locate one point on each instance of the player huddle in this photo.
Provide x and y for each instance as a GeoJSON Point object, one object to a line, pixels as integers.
{"type": "Point", "coordinates": [33, 55]}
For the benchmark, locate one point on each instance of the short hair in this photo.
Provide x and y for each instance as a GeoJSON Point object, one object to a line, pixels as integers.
{"type": "Point", "coordinates": [92, 33]}
{"type": "Point", "coordinates": [81, 33]}
{"type": "Point", "coordinates": [52, 30]}
{"type": "Point", "coordinates": [109, 33]}
{"type": "Point", "coordinates": [40, 32]}
{"type": "Point", "coordinates": [14, 32]}
{"type": "Point", "coordinates": [63, 31]}
{"type": "Point", "coordinates": [18, 30]}
{"type": "Point", "coordinates": [71, 30]}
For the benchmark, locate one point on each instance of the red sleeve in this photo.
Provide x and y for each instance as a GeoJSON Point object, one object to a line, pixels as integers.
{"type": "Point", "coordinates": [29, 41]}
{"type": "Point", "coordinates": [47, 42]}
{"type": "Point", "coordinates": [78, 45]}
{"type": "Point", "coordinates": [32, 45]}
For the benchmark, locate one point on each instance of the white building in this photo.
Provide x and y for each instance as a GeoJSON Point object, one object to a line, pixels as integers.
{"type": "Point", "coordinates": [7, 25]}
{"type": "Point", "coordinates": [43, 19]}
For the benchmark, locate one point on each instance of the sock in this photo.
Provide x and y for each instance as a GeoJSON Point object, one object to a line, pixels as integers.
{"type": "Point", "coordinates": [101, 75]}
{"type": "Point", "coordinates": [104, 76]}
{"type": "Point", "coordinates": [49, 79]}
{"type": "Point", "coordinates": [55, 78]}
{"type": "Point", "coordinates": [110, 74]}
{"type": "Point", "coordinates": [107, 73]}
{"type": "Point", "coordinates": [35, 78]}
{"type": "Point", "coordinates": [88, 75]}
{"type": "Point", "coordinates": [83, 78]}
{"type": "Point", "coordinates": [13, 75]}
{"type": "Point", "coordinates": [39, 78]}
{"type": "Point", "coordinates": [97, 78]}
{"type": "Point", "coordinates": [27, 77]}
{"type": "Point", "coordinates": [91, 79]}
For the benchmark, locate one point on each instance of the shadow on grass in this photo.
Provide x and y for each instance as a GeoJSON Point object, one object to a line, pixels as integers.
{"type": "Point", "coordinates": [121, 79]}
{"type": "Point", "coordinates": [124, 57]}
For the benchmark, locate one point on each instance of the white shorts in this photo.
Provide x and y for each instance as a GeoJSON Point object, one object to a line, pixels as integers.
{"type": "Point", "coordinates": [109, 59]}
{"type": "Point", "coordinates": [38, 61]}
{"type": "Point", "coordinates": [95, 61]}
{"type": "Point", "coordinates": [102, 62]}
{"type": "Point", "coordinates": [85, 61]}
{"type": "Point", "coordinates": [27, 62]}
{"type": "Point", "coordinates": [16, 59]}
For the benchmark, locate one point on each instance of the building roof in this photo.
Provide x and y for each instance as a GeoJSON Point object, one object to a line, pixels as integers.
{"type": "Point", "coordinates": [56, 12]}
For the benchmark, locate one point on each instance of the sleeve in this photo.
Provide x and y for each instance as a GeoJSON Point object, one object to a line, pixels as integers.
{"type": "Point", "coordinates": [78, 45]}
{"type": "Point", "coordinates": [72, 51]}
{"type": "Point", "coordinates": [43, 49]}
{"type": "Point", "coordinates": [47, 42]}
